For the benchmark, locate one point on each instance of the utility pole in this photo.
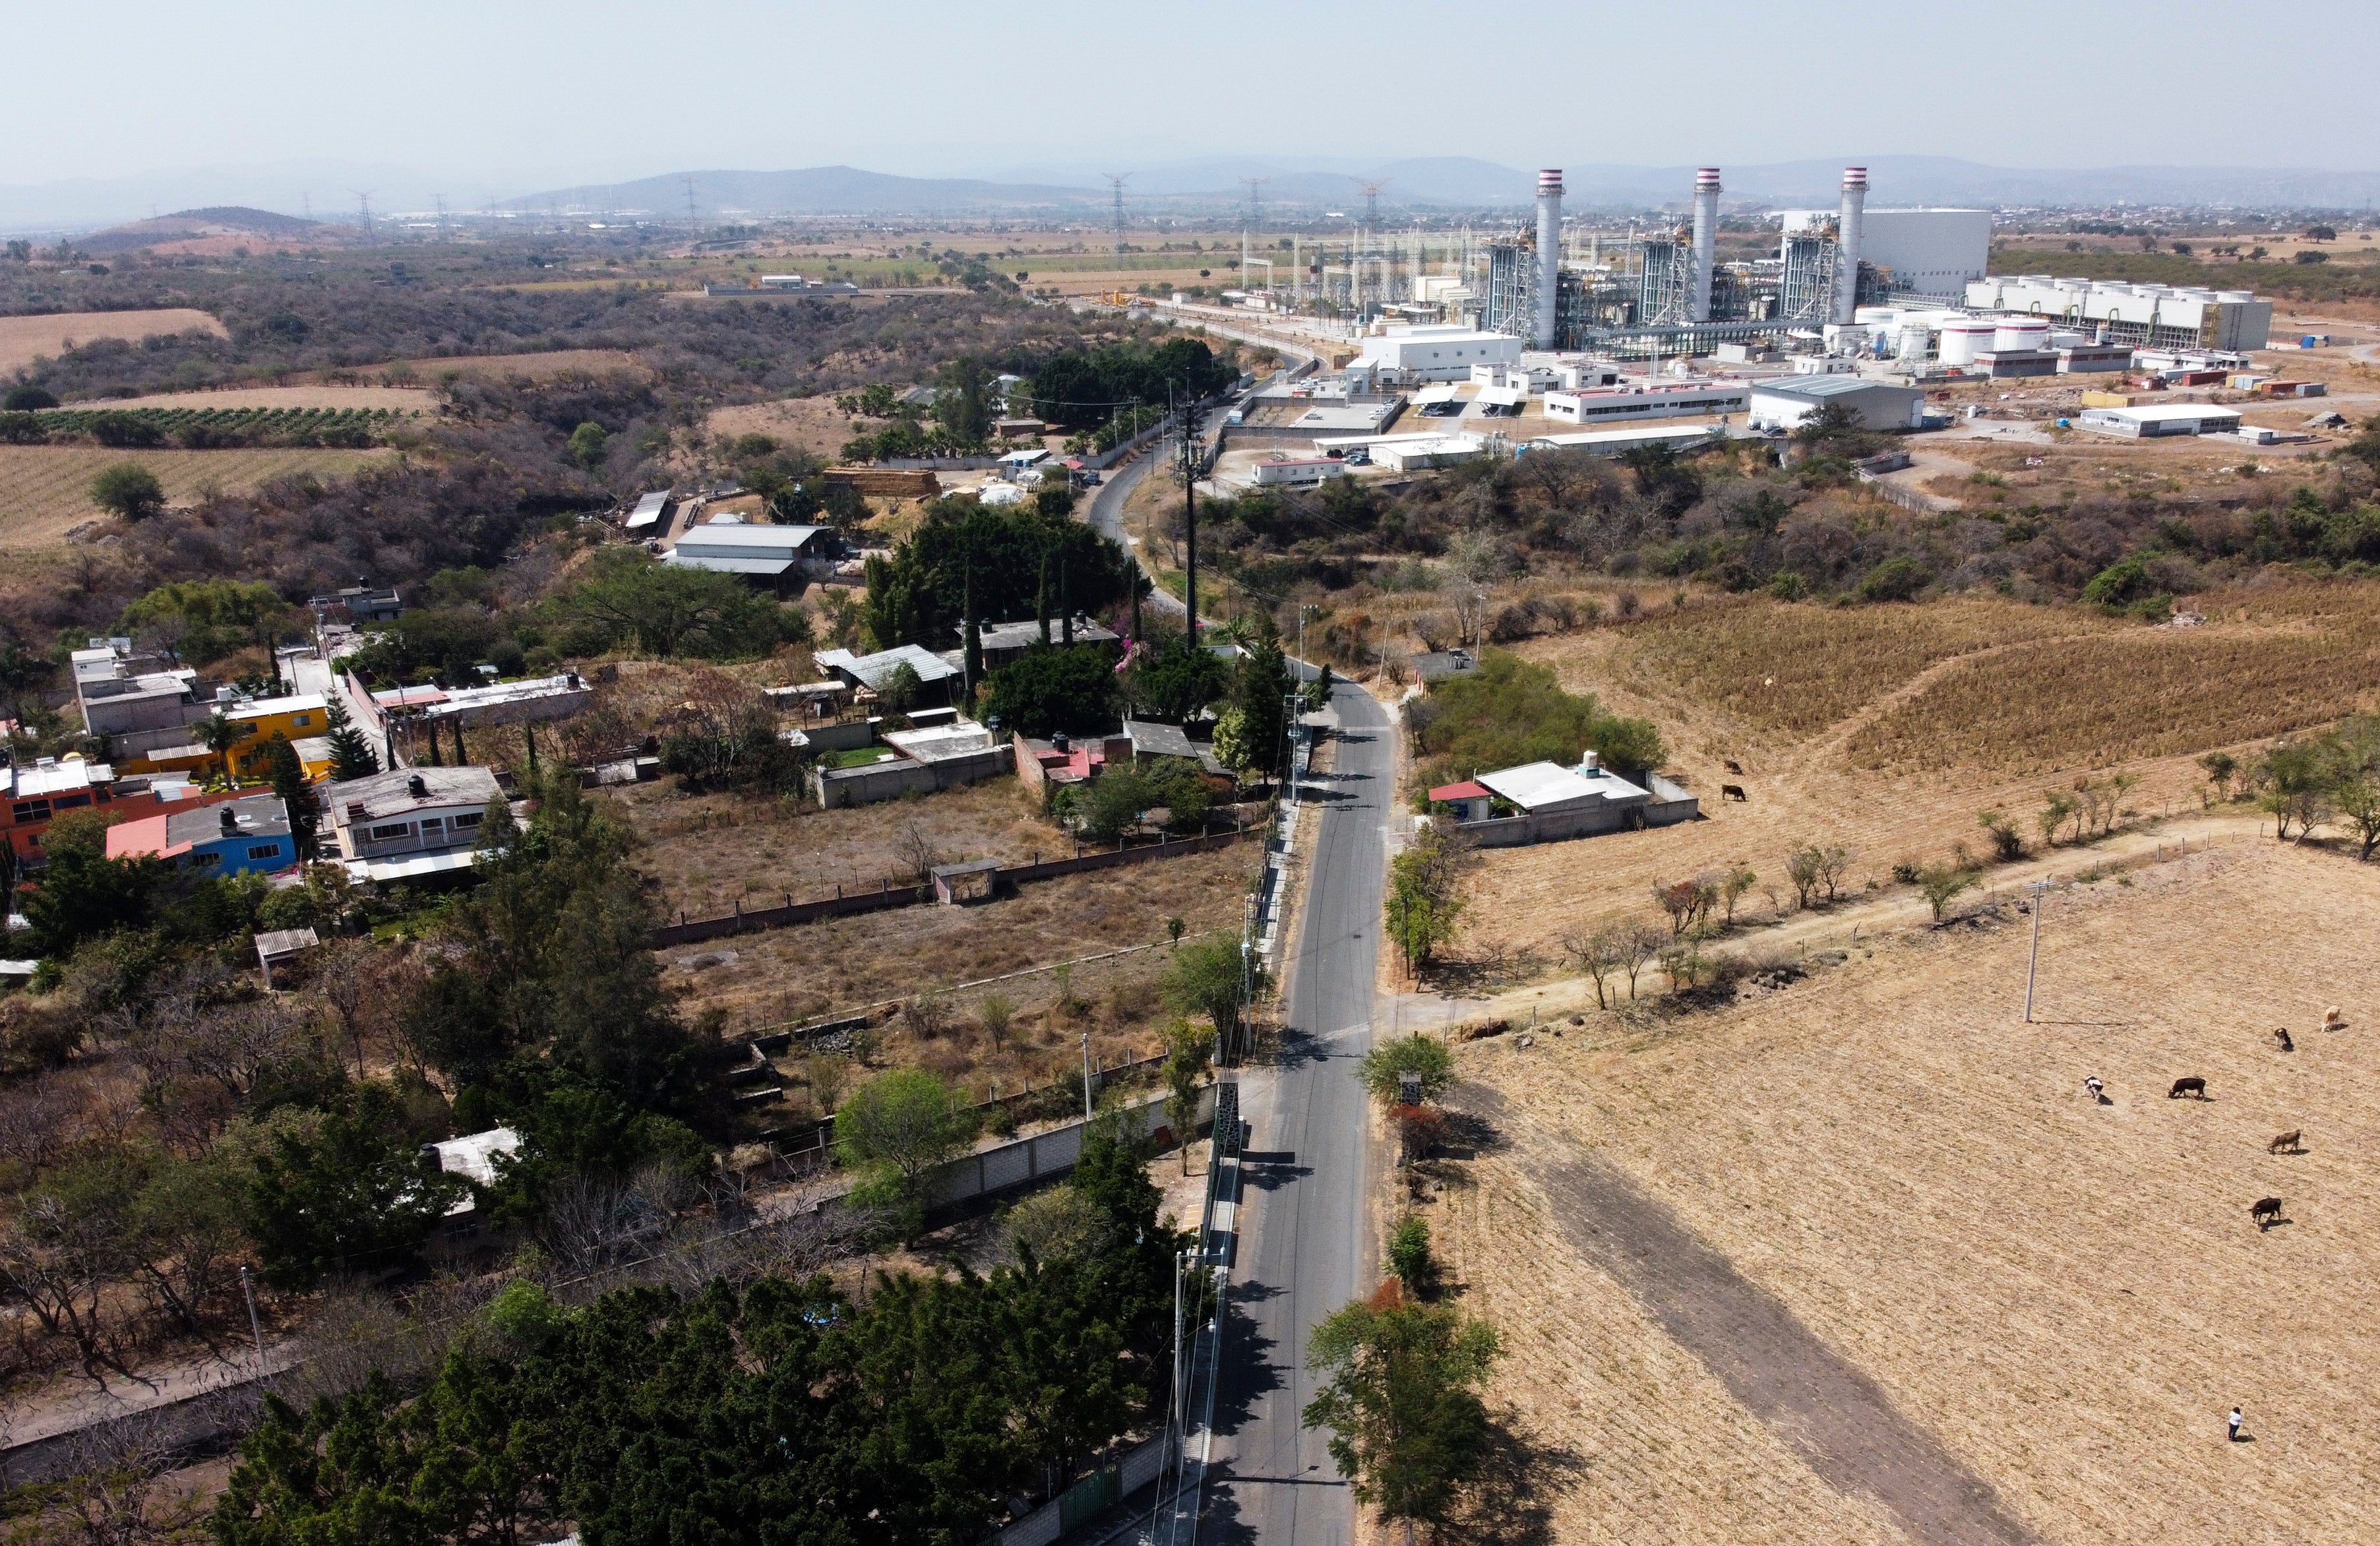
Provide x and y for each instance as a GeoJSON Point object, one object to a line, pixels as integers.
{"type": "Point", "coordinates": [1188, 457]}
{"type": "Point", "coordinates": [2040, 889]}
{"type": "Point", "coordinates": [255, 1329]}
{"type": "Point", "coordinates": [1087, 1076]}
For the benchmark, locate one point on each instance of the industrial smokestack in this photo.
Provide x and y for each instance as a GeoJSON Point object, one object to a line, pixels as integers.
{"type": "Point", "coordinates": [1847, 244]}
{"type": "Point", "coordinates": [1550, 196]}
{"type": "Point", "coordinates": [1706, 239]}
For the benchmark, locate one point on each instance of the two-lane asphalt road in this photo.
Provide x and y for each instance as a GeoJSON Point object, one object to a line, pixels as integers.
{"type": "Point", "coordinates": [1305, 1246]}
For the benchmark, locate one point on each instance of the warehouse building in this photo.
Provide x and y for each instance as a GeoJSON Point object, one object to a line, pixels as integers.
{"type": "Point", "coordinates": [778, 557]}
{"type": "Point", "coordinates": [1874, 404]}
{"type": "Point", "coordinates": [1437, 353]}
{"type": "Point", "coordinates": [2150, 422]}
{"type": "Point", "coordinates": [1611, 442]}
{"type": "Point", "coordinates": [1622, 404]}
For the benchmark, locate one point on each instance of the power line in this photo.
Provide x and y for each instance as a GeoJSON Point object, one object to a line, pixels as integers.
{"type": "Point", "coordinates": [1115, 181]}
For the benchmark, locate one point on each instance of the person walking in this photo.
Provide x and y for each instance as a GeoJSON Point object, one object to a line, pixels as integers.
{"type": "Point", "coordinates": [2234, 1421]}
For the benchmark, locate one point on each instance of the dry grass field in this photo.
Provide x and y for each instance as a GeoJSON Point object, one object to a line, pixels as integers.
{"type": "Point", "coordinates": [44, 489]}
{"type": "Point", "coordinates": [811, 424]}
{"type": "Point", "coordinates": [535, 367]}
{"type": "Point", "coordinates": [403, 399]}
{"type": "Point", "coordinates": [1930, 715]}
{"type": "Point", "coordinates": [1858, 1259]}
{"type": "Point", "coordinates": [23, 339]}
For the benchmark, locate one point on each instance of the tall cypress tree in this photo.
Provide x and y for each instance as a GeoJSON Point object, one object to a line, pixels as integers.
{"type": "Point", "coordinates": [351, 750]}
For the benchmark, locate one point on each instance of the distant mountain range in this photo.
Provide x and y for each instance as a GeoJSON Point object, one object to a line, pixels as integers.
{"type": "Point", "coordinates": [1440, 182]}
{"type": "Point", "coordinates": [1205, 185]}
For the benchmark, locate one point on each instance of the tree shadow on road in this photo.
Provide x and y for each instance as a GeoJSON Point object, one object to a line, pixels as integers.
{"type": "Point", "coordinates": [1511, 1504]}
{"type": "Point", "coordinates": [1248, 1369]}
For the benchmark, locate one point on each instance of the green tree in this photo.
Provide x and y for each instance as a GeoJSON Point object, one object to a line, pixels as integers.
{"type": "Point", "coordinates": [1052, 687]}
{"type": "Point", "coordinates": [590, 444]}
{"type": "Point", "coordinates": [1173, 680]}
{"type": "Point", "coordinates": [1425, 900]}
{"type": "Point", "coordinates": [204, 620]}
{"type": "Point", "coordinates": [1410, 1257]}
{"type": "Point", "coordinates": [1189, 1053]}
{"type": "Point", "coordinates": [1213, 978]}
{"type": "Point", "coordinates": [897, 694]}
{"type": "Point", "coordinates": [962, 401]}
{"type": "Point", "coordinates": [897, 1129]}
{"type": "Point", "coordinates": [355, 1195]}
{"type": "Point", "coordinates": [670, 610]}
{"type": "Point", "coordinates": [1400, 1399]}
{"type": "Point", "coordinates": [1258, 708]}
{"type": "Point", "coordinates": [129, 491]}
{"type": "Point", "coordinates": [1941, 884]}
{"type": "Point", "coordinates": [1386, 1066]}
{"type": "Point", "coordinates": [288, 778]}
{"type": "Point", "coordinates": [351, 751]}
{"type": "Point", "coordinates": [83, 894]}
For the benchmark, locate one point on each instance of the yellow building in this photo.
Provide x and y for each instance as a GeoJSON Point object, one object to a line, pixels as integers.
{"type": "Point", "coordinates": [298, 719]}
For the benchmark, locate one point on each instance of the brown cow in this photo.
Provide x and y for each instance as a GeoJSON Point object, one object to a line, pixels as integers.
{"type": "Point", "coordinates": [2287, 1143]}
{"type": "Point", "coordinates": [2281, 1035]}
{"type": "Point", "coordinates": [2192, 1085]}
{"type": "Point", "coordinates": [2266, 1212]}
{"type": "Point", "coordinates": [1733, 766]}
{"type": "Point", "coordinates": [1731, 791]}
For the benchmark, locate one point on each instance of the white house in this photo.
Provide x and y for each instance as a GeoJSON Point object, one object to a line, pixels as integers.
{"type": "Point", "coordinates": [409, 821]}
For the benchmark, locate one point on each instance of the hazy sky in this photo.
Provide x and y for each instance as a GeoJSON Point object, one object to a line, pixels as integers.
{"type": "Point", "coordinates": [498, 91]}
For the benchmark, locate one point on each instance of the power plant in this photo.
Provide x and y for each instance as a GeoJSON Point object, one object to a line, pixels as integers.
{"type": "Point", "coordinates": [1852, 280]}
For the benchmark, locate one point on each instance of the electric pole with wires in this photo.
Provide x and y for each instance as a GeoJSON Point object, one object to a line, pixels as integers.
{"type": "Point", "coordinates": [1187, 457]}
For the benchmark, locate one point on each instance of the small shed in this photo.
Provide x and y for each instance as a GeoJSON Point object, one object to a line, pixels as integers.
{"type": "Point", "coordinates": [970, 882]}
{"type": "Point", "coordinates": [280, 946]}
{"type": "Point", "coordinates": [1471, 802]}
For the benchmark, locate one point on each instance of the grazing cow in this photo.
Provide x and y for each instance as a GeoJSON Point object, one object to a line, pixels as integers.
{"type": "Point", "coordinates": [2332, 1019]}
{"type": "Point", "coordinates": [1733, 766]}
{"type": "Point", "coordinates": [2281, 1035]}
{"type": "Point", "coordinates": [2192, 1085]}
{"type": "Point", "coordinates": [1731, 791]}
{"type": "Point", "coordinates": [2266, 1212]}
{"type": "Point", "coordinates": [2287, 1143]}
{"type": "Point", "coordinates": [2097, 1090]}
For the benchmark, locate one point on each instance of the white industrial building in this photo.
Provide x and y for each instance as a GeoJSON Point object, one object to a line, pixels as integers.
{"type": "Point", "coordinates": [1413, 455]}
{"type": "Point", "coordinates": [1876, 405]}
{"type": "Point", "coordinates": [1428, 353]}
{"type": "Point", "coordinates": [1930, 252]}
{"type": "Point", "coordinates": [2161, 418]}
{"type": "Point", "coordinates": [1611, 442]}
{"type": "Point", "coordinates": [2155, 316]}
{"type": "Point", "coordinates": [1620, 404]}
{"type": "Point", "coordinates": [1298, 470]}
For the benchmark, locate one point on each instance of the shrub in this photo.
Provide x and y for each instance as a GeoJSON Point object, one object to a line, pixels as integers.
{"type": "Point", "coordinates": [128, 489]}
{"type": "Point", "coordinates": [1895, 579]}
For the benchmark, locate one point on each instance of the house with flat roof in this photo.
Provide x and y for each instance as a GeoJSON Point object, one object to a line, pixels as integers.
{"type": "Point", "coordinates": [250, 834]}
{"type": "Point", "coordinates": [1555, 803]}
{"type": "Point", "coordinates": [1003, 643]}
{"type": "Point", "coordinates": [410, 822]}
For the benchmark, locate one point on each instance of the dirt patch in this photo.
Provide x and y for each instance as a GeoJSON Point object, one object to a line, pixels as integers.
{"type": "Point", "coordinates": [535, 367]}
{"type": "Point", "coordinates": [22, 339]}
{"type": "Point", "coordinates": [812, 424]}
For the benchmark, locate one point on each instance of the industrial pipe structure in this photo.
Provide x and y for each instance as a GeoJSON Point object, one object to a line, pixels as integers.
{"type": "Point", "coordinates": [1706, 241]}
{"type": "Point", "coordinates": [1549, 286]}
{"type": "Point", "coordinates": [1847, 244]}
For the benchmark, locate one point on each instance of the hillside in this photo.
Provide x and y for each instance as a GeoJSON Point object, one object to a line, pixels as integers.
{"type": "Point", "coordinates": [192, 230]}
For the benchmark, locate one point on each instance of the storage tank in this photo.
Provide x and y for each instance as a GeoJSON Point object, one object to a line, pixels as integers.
{"type": "Point", "coordinates": [1914, 336]}
{"type": "Point", "coordinates": [1964, 337]}
{"type": "Point", "coordinates": [2020, 333]}
{"type": "Point", "coordinates": [2066, 338]}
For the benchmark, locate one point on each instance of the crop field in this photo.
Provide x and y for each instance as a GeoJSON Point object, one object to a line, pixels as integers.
{"type": "Point", "coordinates": [1799, 669]}
{"type": "Point", "coordinates": [1858, 1259]}
{"type": "Point", "coordinates": [2016, 701]}
{"type": "Point", "coordinates": [22, 339]}
{"type": "Point", "coordinates": [214, 426]}
{"type": "Point", "coordinates": [45, 489]}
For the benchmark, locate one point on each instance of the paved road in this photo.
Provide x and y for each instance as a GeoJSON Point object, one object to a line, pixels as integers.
{"type": "Point", "coordinates": [1305, 1246]}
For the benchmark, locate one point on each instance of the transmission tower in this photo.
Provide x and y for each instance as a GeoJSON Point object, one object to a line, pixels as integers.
{"type": "Point", "coordinates": [1256, 203]}
{"type": "Point", "coordinates": [441, 218]}
{"type": "Point", "coordinates": [690, 217]}
{"type": "Point", "coordinates": [1366, 240]}
{"type": "Point", "coordinates": [1115, 181]}
{"type": "Point", "coordinates": [363, 201]}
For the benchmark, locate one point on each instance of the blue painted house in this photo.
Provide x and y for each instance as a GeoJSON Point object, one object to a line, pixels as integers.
{"type": "Point", "coordinates": [251, 833]}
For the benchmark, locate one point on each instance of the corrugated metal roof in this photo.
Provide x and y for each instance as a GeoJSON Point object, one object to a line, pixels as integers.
{"type": "Point", "coordinates": [1828, 387]}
